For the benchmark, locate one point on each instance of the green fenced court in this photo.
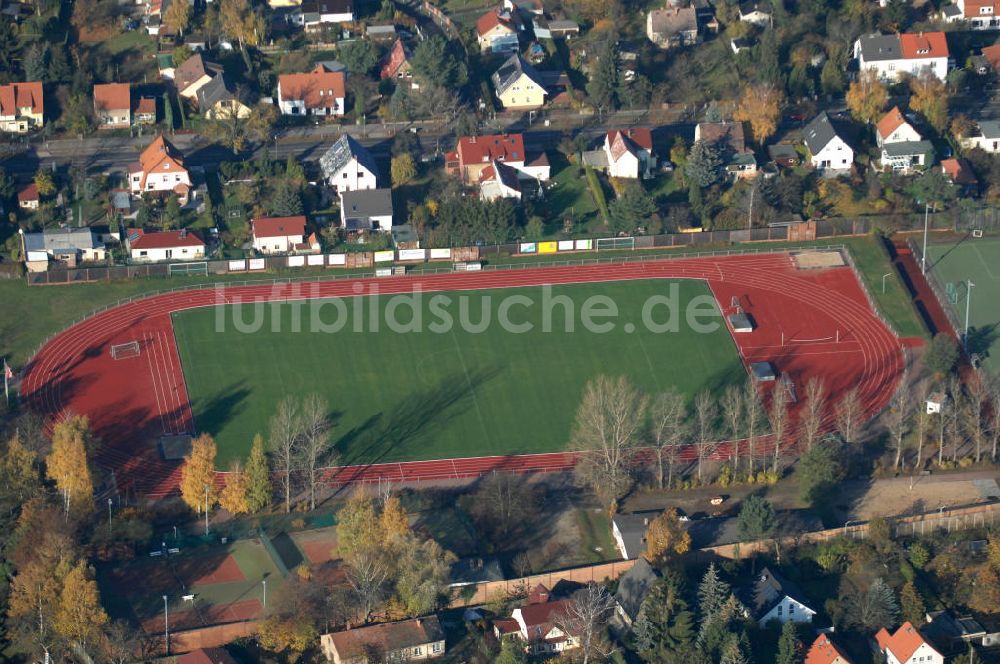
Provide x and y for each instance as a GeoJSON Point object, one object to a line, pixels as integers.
{"type": "Point", "coordinates": [954, 265]}
{"type": "Point", "coordinates": [442, 394]}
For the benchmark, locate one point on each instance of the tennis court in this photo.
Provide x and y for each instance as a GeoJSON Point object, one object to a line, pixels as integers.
{"type": "Point", "coordinates": [973, 260]}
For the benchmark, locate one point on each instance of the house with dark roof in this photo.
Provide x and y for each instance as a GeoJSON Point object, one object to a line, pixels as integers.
{"type": "Point", "coordinates": [67, 246]}
{"type": "Point", "coordinates": [468, 571]}
{"type": "Point", "coordinates": [496, 31]}
{"type": "Point", "coordinates": [756, 12]}
{"type": "Point", "coordinates": [554, 28]}
{"type": "Point", "coordinates": [986, 137]}
{"type": "Point", "coordinates": [152, 246]}
{"type": "Point", "coordinates": [783, 154]}
{"type": "Point", "coordinates": [366, 210]}
{"type": "Point", "coordinates": [194, 73]}
{"type": "Point", "coordinates": [113, 105]}
{"type": "Point", "coordinates": [673, 27]}
{"type": "Point", "coordinates": [217, 100]}
{"type": "Point", "coordinates": [348, 166]}
{"type": "Point", "coordinates": [313, 14]}
{"type": "Point", "coordinates": [730, 138]}
{"type": "Point", "coordinates": [772, 597]}
{"type": "Point", "coordinates": [633, 587]}
{"type": "Point", "coordinates": [403, 641]}
{"type": "Point", "coordinates": [828, 152]}
{"type": "Point", "coordinates": [498, 180]}
{"type": "Point", "coordinates": [951, 634]}
{"type": "Point", "coordinates": [22, 107]}
{"type": "Point", "coordinates": [907, 646]}
{"type": "Point", "coordinates": [629, 532]}
{"type": "Point", "coordinates": [824, 651]}
{"type": "Point", "coordinates": [518, 85]}
{"type": "Point", "coordinates": [890, 56]}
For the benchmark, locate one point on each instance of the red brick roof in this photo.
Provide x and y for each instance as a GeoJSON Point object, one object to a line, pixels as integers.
{"type": "Point", "coordinates": [992, 53]}
{"type": "Point", "coordinates": [890, 122]}
{"type": "Point", "coordinates": [481, 149]}
{"type": "Point", "coordinates": [206, 656]}
{"type": "Point", "coordinates": [21, 95]}
{"type": "Point", "coordinates": [824, 651]}
{"type": "Point", "coordinates": [959, 171]}
{"type": "Point", "coordinates": [306, 87]}
{"type": "Point", "coordinates": [112, 97]}
{"type": "Point", "coordinates": [490, 20]}
{"type": "Point", "coordinates": [146, 105]}
{"type": "Point", "coordinates": [923, 45]}
{"type": "Point", "coordinates": [622, 140]}
{"type": "Point", "coordinates": [903, 643]}
{"type": "Point", "coordinates": [163, 239]}
{"type": "Point", "coordinates": [396, 58]}
{"type": "Point", "coordinates": [973, 8]}
{"type": "Point", "coordinates": [161, 155]}
{"type": "Point", "coordinates": [279, 226]}
{"type": "Point", "coordinates": [27, 192]}
{"type": "Point", "coordinates": [389, 637]}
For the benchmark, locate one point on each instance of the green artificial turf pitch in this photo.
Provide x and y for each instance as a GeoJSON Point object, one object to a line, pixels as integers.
{"type": "Point", "coordinates": [429, 395]}
{"type": "Point", "coordinates": [976, 260]}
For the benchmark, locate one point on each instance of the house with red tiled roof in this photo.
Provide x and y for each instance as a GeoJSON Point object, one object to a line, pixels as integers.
{"type": "Point", "coordinates": [974, 14]}
{"type": "Point", "coordinates": [278, 235]}
{"type": "Point", "coordinates": [160, 169]}
{"type": "Point", "coordinates": [113, 105]}
{"type": "Point", "coordinates": [396, 64]}
{"type": "Point", "coordinates": [902, 146]}
{"type": "Point", "coordinates": [907, 646]}
{"type": "Point", "coordinates": [825, 651]}
{"type": "Point", "coordinates": [472, 154]}
{"type": "Point", "coordinates": [629, 152]}
{"type": "Point", "coordinates": [144, 111]}
{"type": "Point", "coordinates": [22, 107]}
{"type": "Point", "coordinates": [496, 31]}
{"type": "Point", "coordinates": [206, 656]}
{"type": "Point", "coordinates": [27, 196]}
{"type": "Point", "coordinates": [193, 74]}
{"type": "Point", "coordinates": [992, 55]}
{"type": "Point", "coordinates": [541, 624]}
{"type": "Point", "coordinates": [151, 246]}
{"type": "Point", "coordinates": [318, 92]}
{"type": "Point", "coordinates": [912, 54]}
{"type": "Point", "coordinates": [960, 173]}
{"type": "Point", "coordinates": [894, 128]}
{"type": "Point", "coordinates": [498, 180]}
{"type": "Point", "coordinates": [403, 641]}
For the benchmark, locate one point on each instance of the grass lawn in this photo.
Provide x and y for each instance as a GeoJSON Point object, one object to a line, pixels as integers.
{"type": "Point", "coordinates": [895, 303]}
{"type": "Point", "coordinates": [595, 533]}
{"type": "Point", "coordinates": [437, 395]}
{"type": "Point", "coordinates": [570, 196]}
{"type": "Point", "coordinates": [976, 260]}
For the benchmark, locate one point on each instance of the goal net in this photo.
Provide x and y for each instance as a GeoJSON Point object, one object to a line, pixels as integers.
{"type": "Point", "coordinates": [615, 243]}
{"type": "Point", "coordinates": [125, 350]}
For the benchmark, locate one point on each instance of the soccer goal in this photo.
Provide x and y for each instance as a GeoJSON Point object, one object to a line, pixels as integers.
{"type": "Point", "coordinates": [615, 243]}
{"type": "Point", "coordinates": [188, 268]}
{"type": "Point", "coordinates": [125, 350]}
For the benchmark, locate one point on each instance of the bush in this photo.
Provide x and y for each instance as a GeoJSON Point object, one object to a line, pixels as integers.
{"type": "Point", "coordinates": [919, 555]}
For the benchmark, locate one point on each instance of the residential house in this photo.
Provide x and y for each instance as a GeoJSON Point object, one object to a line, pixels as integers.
{"type": "Point", "coordinates": [396, 63]}
{"type": "Point", "coordinates": [672, 27]}
{"type": "Point", "coordinates": [278, 235]}
{"type": "Point", "coordinates": [22, 107]}
{"type": "Point", "coordinates": [144, 111]}
{"type": "Point", "coordinates": [629, 532]}
{"type": "Point", "coordinates": [320, 12]}
{"type": "Point", "coordinates": [525, 7]}
{"type": "Point", "coordinates": [902, 146]}
{"type": "Point", "coordinates": [348, 166]}
{"type": "Point", "coordinates": [783, 155]}
{"type": "Point", "coordinates": [756, 13]}
{"type": "Point", "coordinates": [960, 174]}
{"type": "Point", "coordinates": [498, 180]}
{"type": "Point", "coordinates": [281, 4]}
{"type": "Point", "coordinates": [182, 245]}
{"type": "Point", "coordinates": [206, 656]}
{"type": "Point", "coordinates": [68, 246]}
{"type": "Point", "coordinates": [740, 44]}
{"type": "Point", "coordinates": [518, 85]}
{"type": "Point", "coordinates": [366, 210]}
{"type": "Point", "coordinates": [992, 56]}
{"type": "Point", "coordinates": [974, 14]}
{"type": "Point", "coordinates": [474, 153]}
{"type": "Point", "coordinates": [193, 74]}
{"type": "Point", "coordinates": [539, 624]}
{"type": "Point", "coordinates": [730, 138]}
{"type": "Point", "coordinates": [554, 28]}
{"type": "Point", "coordinates": [825, 651]}
{"type": "Point", "coordinates": [891, 56]}
{"type": "Point", "coordinates": [952, 635]}
{"type": "Point", "coordinates": [160, 169]}
{"type": "Point", "coordinates": [772, 597]}
{"type": "Point", "coordinates": [27, 196]}
{"type": "Point", "coordinates": [407, 640]}
{"type": "Point", "coordinates": [906, 646]}
{"type": "Point", "coordinates": [828, 152]}
{"type": "Point", "coordinates": [496, 32]}
{"type": "Point", "coordinates": [113, 105]}
{"type": "Point", "coordinates": [629, 153]}
{"type": "Point", "coordinates": [469, 571]}
{"type": "Point", "coordinates": [987, 137]}
{"type": "Point", "coordinates": [382, 33]}
{"type": "Point", "coordinates": [218, 101]}
{"type": "Point", "coordinates": [318, 92]}
{"type": "Point", "coordinates": [633, 587]}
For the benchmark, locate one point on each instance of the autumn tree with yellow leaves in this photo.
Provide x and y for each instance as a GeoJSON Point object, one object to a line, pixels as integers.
{"type": "Point", "coordinates": [67, 464]}
{"type": "Point", "coordinates": [867, 97]}
{"type": "Point", "coordinates": [930, 99]}
{"type": "Point", "coordinates": [198, 475]}
{"type": "Point", "coordinates": [79, 616]}
{"type": "Point", "coordinates": [235, 497]}
{"type": "Point", "coordinates": [258, 477]}
{"type": "Point", "coordinates": [666, 537]}
{"type": "Point", "coordinates": [761, 107]}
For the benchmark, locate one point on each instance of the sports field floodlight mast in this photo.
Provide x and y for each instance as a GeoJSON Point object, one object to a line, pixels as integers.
{"type": "Point", "coordinates": [166, 626]}
{"type": "Point", "coordinates": [968, 306]}
{"type": "Point", "coordinates": [206, 510]}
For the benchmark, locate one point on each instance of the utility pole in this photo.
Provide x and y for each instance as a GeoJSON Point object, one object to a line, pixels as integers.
{"type": "Point", "coordinates": [923, 254]}
{"type": "Point", "coordinates": [968, 306]}
{"type": "Point", "coordinates": [264, 581]}
{"type": "Point", "coordinates": [166, 625]}
{"type": "Point", "coordinates": [109, 517]}
{"type": "Point", "coordinates": [753, 190]}
{"type": "Point", "coordinates": [206, 510]}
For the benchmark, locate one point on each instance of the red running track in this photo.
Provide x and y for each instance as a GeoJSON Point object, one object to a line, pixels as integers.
{"type": "Point", "coordinates": [809, 323]}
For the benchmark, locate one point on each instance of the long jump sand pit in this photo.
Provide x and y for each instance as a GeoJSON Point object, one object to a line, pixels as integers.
{"type": "Point", "coordinates": [814, 260]}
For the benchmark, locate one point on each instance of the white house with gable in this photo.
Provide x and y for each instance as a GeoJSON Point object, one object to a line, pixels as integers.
{"type": "Point", "coordinates": [774, 598]}
{"type": "Point", "coordinates": [828, 152]}
{"type": "Point", "coordinates": [907, 646]}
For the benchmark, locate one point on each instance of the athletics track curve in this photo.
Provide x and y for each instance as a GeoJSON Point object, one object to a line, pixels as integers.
{"type": "Point", "coordinates": [810, 323]}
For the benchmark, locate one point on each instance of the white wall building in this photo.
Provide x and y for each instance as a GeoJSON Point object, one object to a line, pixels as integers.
{"type": "Point", "coordinates": [891, 56]}
{"type": "Point", "coordinates": [181, 245]}
{"type": "Point", "coordinates": [278, 235]}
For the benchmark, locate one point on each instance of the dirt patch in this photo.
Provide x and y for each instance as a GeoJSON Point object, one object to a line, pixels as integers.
{"type": "Point", "coordinates": [208, 570]}
{"type": "Point", "coordinates": [318, 551]}
{"type": "Point", "coordinates": [811, 260]}
{"type": "Point", "coordinates": [206, 615]}
{"type": "Point", "coordinates": [892, 497]}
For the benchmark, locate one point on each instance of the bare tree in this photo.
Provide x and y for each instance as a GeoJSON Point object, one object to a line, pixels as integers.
{"type": "Point", "coordinates": [979, 398]}
{"type": "Point", "coordinates": [705, 412]}
{"type": "Point", "coordinates": [368, 575]}
{"type": "Point", "coordinates": [779, 421]}
{"type": "Point", "coordinates": [314, 451]}
{"type": "Point", "coordinates": [898, 418]}
{"type": "Point", "coordinates": [607, 429]}
{"type": "Point", "coordinates": [585, 619]}
{"type": "Point", "coordinates": [732, 413]}
{"type": "Point", "coordinates": [848, 413]}
{"type": "Point", "coordinates": [754, 417]}
{"type": "Point", "coordinates": [953, 416]}
{"type": "Point", "coordinates": [811, 422]}
{"type": "Point", "coordinates": [994, 421]}
{"type": "Point", "coordinates": [923, 424]}
{"type": "Point", "coordinates": [284, 442]}
{"type": "Point", "coordinates": [669, 428]}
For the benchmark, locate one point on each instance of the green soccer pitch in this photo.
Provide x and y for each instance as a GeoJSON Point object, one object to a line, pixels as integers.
{"type": "Point", "coordinates": [432, 395]}
{"type": "Point", "coordinates": [976, 260]}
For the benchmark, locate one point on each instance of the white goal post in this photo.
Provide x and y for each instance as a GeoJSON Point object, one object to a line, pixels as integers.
{"type": "Point", "coordinates": [615, 243]}
{"type": "Point", "coordinates": [125, 350]}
